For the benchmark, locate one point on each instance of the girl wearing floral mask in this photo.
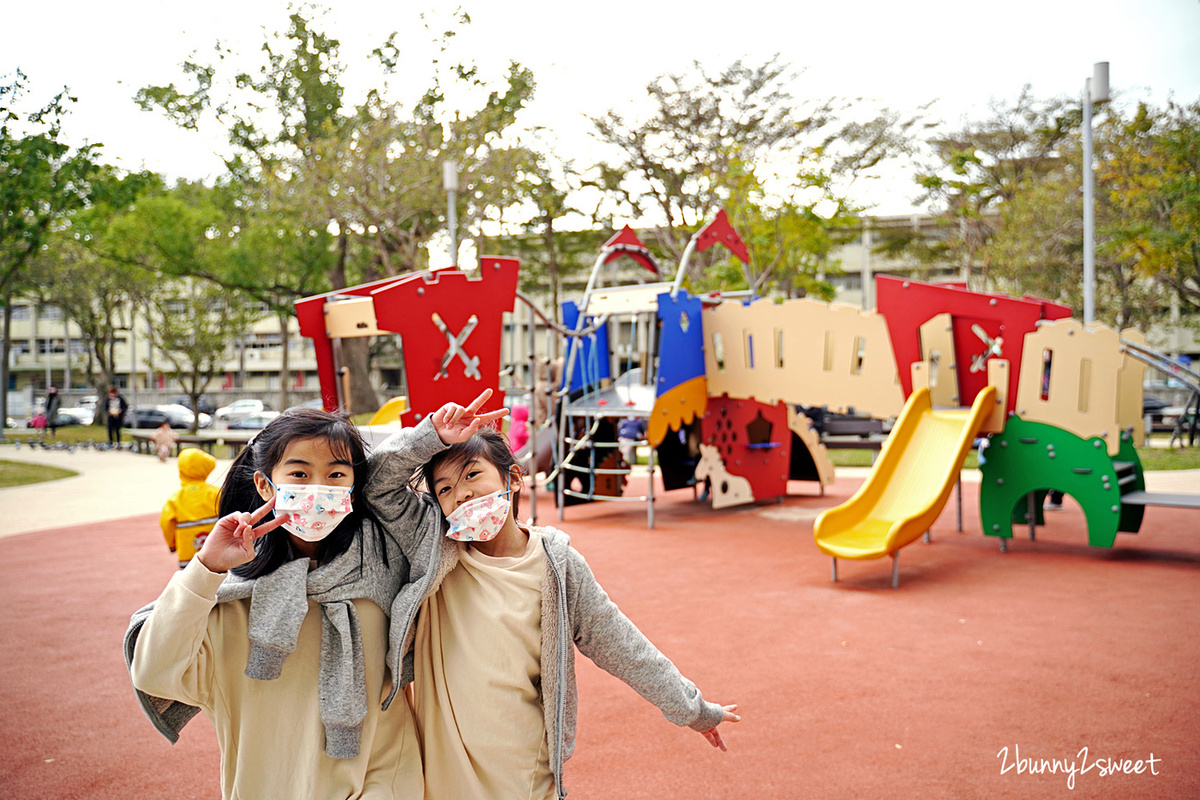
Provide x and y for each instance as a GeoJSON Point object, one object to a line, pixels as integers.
{"type": "Point", "coordinates": [498, 609]}
{"type": "Point", "coordinates": [281, 628]}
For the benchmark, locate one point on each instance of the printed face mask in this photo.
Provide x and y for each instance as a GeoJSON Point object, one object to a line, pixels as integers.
{"type": "Point", "coordinates": [315, 510]}
{"type": "Point", "coordinates": [480, 518]}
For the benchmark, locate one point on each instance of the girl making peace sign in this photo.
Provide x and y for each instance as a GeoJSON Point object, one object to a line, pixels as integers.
{"type": "Point", "coordinates": [279, 629]}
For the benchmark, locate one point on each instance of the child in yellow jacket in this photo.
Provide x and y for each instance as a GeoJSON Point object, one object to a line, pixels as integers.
{"type": "Point", "coordinates": [191, 512]}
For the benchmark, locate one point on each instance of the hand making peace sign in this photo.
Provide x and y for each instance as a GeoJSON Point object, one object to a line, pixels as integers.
{"type": "Point", "coordinates": [454, 423]}
{"type": "Point", "coordinates": [231, 541]}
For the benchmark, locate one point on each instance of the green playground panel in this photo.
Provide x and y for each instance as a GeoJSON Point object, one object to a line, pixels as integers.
{"type": "Point", "coordinates": [1033, 457]}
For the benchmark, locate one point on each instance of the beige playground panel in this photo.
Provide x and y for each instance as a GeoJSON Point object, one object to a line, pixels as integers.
{"type": "Point", "coordinates": [997, 379]}
{"type": "Point", "coordinates": [802, 352]}
{"type": "Point", "coordinates": [725, 489]}
{"type": "Point", "coordinates": [345, 319]}
{"type": "Point", "coordinates": [1094, 387]}
{"type": "Point", "coordinates": [801, 425]}
{"type": "Point", "coordinates": [937, 351]}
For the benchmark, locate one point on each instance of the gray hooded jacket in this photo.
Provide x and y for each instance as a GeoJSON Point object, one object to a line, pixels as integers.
{"type": "Point", "coordinates": [575, 609]}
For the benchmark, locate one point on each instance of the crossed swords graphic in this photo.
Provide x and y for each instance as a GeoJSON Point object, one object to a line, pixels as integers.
{"type": "Point", "coordinates": [979, 362]}
{"type": "Point", "coordinates": [470, 363]}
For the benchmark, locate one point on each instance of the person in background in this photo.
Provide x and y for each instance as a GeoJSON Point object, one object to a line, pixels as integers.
{"type": "Point", "coordinates": [630, 431]}
{"type": "Point", "coordinates": [115, 407]}
{"type": "Point", "coordinates": [190, 513]}
{"type": "Point", "coordinates": [164, 439]}
{"type": "Point", "coordinates": [53, 403]}
{"type": "Point", "coordinates": [518, 432]}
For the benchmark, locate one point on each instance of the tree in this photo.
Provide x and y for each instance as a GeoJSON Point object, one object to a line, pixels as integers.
{"type": "Point", "coordinates": [190, 328]}
{"type": "Point", "coordinates": [365, 182]}
{"type": "Point", "coordinates": [1152, 179]}
{"type": "Point", "coordinates": [41, 179]}
{"type": "Point", "coordinates": [980, 167]}
{"type": "Point", "coordinates": [549, 253]}
{"type": "Point", "coordinates": [716, 141]}
{"type": "Point", "coordinates": [93, 289]}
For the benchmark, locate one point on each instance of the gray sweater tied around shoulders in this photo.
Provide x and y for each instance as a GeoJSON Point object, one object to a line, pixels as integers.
{"type": "Point", "coordinates": [278, 605]}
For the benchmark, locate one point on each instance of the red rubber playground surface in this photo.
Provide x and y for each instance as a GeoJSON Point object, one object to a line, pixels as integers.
{"type": "Point", "coordinates": [847, 690]}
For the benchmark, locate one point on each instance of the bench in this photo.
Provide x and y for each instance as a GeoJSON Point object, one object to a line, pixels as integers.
{"type": "Point", "coordinates": [205, 440]}
{"type": "Point", "coordinates": [1175, 499]}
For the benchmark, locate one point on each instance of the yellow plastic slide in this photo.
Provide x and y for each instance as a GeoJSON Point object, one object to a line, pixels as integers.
{"type": "Point", "coordinates": [910, 483]}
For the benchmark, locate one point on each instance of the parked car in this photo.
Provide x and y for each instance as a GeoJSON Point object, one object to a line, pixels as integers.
{"type": "Point", "coordinates": [75, 416]}
{"type": "Point", "coordinates": [240, 409]}
{"type": "Point", "coordinates": [207, 406]}
{"type": "Point", "coordinates": [254, 422]}
{"type": "Point", "coordinates": [174, 415]}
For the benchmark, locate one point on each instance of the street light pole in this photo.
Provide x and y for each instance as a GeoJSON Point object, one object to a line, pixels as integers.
{"type": "Point", "coordinates": [1095, 90]}
{"type": "Point", "coordinates": [450, 181]}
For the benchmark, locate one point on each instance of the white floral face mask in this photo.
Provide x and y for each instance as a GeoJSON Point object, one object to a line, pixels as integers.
{"type": "Point", "coordinates": [315, 509]}
{"type": "Point", "coordinates": [480, 518]}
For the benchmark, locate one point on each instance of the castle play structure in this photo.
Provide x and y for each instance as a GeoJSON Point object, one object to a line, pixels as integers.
{"type": "Point", "coordinates": [724, 384]}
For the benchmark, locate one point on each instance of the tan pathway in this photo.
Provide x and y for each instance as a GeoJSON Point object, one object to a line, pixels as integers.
{"type": "Point", "coordinates": [110, 485]}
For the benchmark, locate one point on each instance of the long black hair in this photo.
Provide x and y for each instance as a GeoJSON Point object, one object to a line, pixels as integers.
{"type": "Point", "coordinates": [265, 450]}
{"type": "Point", "coordinates": [486, 443]}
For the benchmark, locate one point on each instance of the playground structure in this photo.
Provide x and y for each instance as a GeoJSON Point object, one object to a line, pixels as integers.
{"type": "Point", "coordinates": [724, 383]}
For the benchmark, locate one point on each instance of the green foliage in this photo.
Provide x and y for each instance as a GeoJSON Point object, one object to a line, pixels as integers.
{"type": "Point", "coordinates": [1008, 188]}
{"type": "Point", "coordinates": [190, 324]}
{"type": "Point", "coordinates": [41, 177]}
{"type": "Point", "coordinates": [1150, 176]}
{"type": "Point", "coordinates": [982, 166]}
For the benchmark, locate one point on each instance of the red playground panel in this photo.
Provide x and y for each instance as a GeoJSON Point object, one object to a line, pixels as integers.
{"type": "Point", "coordinates": [450, 323]}
{"type": "Point", "coordinates": [754, 442]}
{"type": "Point", "coordinates": [981, 322]}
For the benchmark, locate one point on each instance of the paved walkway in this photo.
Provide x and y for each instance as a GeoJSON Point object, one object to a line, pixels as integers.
{"type": "Point", "coordinates": [110, 485]}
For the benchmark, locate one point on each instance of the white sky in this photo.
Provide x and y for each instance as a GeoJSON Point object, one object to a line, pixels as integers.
{"type": "Point", "coordinates": [588, 58]}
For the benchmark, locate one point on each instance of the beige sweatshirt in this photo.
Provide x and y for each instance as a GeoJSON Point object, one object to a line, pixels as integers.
{"type": "Point", "coordinates": [195, 651]}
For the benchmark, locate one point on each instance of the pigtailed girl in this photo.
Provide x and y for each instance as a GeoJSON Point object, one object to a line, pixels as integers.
{"type": "Point", "coordinates": [279, 629]}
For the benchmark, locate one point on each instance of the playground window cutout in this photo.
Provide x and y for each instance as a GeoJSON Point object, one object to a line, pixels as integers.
{"type": "Point", "coordinates": [718, 350]}
{"type": "Point", "coordinates": [829, 343]}
{"type": "Point", "coordinates": [748, 338]}
{"type": "Point", "coordinates": [758, 430]}
{"type": "Point", "coordinates": [860, 351]}
{"type": "Point", "coordinates": [1085, 383]}
{"type": "Point", "coordinates": [779, 348]}
{"type": "Point", "coordinates": [684, 322]}
{"type": "Point", "coordinates": [1047, 360]}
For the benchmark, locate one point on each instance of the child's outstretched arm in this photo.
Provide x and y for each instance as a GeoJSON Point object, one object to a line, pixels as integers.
{"type": "Point", "coordinates": [606, 636]}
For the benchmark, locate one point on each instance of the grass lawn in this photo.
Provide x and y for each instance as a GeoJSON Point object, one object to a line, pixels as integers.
{"type": "Point", "coordinates": [16, 474]}
{"type": "Point", "coordinates": [68, 434]}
